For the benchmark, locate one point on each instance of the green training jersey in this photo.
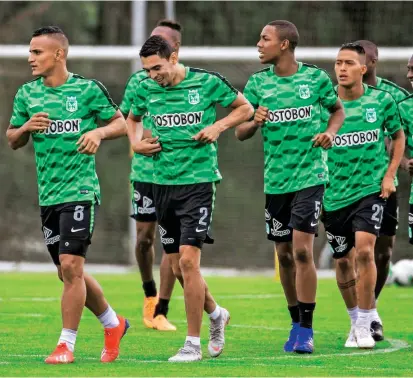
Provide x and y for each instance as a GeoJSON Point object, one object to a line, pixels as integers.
{"type": "Point", "coordinates": [295, 104]}
{"type": "Point", "coordinates": [406, 115]}
{"type": "Point", "coordinates": [178, 113]}
{"type": "Point", "coordinates": [64, 174]}
{"type": "Point", "coordinates": [358, 160]}
{"type": "Point", "coordinates": [142, 166]}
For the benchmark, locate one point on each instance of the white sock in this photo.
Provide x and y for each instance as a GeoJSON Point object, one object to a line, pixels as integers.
{"type": "Point", "coordinates": [353, 313]}
{"type": "Point", "coordinates": [374, 316]}
{"type": "Point", "coordinates": [363, 319]}
{"type": "Point", "coordinates": [68, 336]}
{"type": "Point", "coordinates": [194, 340]}
{"type": "Point", "coordinates": [214, 315]}
{"type": "Point", "coordinates": [109, 319]}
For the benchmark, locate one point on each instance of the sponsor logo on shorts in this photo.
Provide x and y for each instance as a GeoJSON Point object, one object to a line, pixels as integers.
{"type": "Point", "coordinates": [162, 231]}
{"type": "Point", "coordinates": [68, 126]}
{"type": "Point", "coordinates": [47, 239]}
{"type": "Point", "coordinates": [136, 195]}
{"type": "Point", "coordinates": [275, 230]}
{"type": "Point", "coordinates": [357, 138]}
{"type": "Point", "coordinates": [410, 218]}
{"type": "Point", "coordinates": [341, 241]}
{"type": "Point", "coordinates": [267, 215]}
{"type": "Point", "coordinates": [146, 208]}
{"type": "Point", "coordinates": [178, 119]}
{"type": "Point", "coordinates": [290, 114]}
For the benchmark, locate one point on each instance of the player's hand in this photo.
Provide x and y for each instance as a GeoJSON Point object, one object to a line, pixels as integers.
{"type": "Point", "coordinates": [208, 135]}
{"type": "Point", "coordinates": [260, 115]}
{"type": "Point", "coordinates": [387, 187]}
{"type": "Point", "coordinates": [38, 122]}
{"type": "Point", "coordinates": [147, 146]}
{"type": "Point", "coordinates": [324, 140]}
{"type": "Point", "coordinates": [89, 142]}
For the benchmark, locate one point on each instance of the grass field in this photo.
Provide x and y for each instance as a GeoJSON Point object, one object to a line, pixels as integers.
{"type": "Point", "coordinates": [30, 325]}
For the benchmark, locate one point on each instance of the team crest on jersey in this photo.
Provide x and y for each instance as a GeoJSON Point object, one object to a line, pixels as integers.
{"type": "Point", "coordinates": [193, 96]}
{"type": "Point", "coordinates": [304, 91]}
{"type": "Point", "coordinates": [71, 104]}
{"type": "Point", "coordinates": [371, 115]}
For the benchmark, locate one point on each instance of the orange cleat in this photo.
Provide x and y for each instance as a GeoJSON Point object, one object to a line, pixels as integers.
{"type": "Point", "coordinates": [161, 323]}
{"type": "Point", "coordinates": [149, 305]}
{"type": "Point", "coordinates": [61, 355]}
{"type": "Point", "coordinates": [113, 336]}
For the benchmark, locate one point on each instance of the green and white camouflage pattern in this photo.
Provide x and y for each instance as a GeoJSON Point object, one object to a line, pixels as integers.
{"type": "Point", "coordinates": [295, 104]}
{"type": "Point", "coordinates": [358, 160]}
{"type": "Point", "coordinates": [142, 166]}
{"type": "Point", "coordinates": [406, 115]}
{"type": "Point", "coordinates": [64, 174]}
{"type": "Point", "coordinates": [178, 113]}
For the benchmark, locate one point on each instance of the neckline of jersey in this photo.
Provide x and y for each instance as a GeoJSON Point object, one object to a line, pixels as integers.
{"type": "Point", "coordinates": [300, 66]}
{"type": "Point", "coordinates": [365, 87]}
{"type": "Point", "coordinates": [69, 77]}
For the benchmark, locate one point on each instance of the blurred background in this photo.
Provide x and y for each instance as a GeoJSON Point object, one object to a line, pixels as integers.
{"type": "Point", "coordinates": [238, 224]}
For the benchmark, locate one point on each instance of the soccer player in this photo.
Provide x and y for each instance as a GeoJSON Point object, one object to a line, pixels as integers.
{"type": "Point", "coordinates": [289, 97]}
{"type": "Point", "coordinates": [59, 110]}
{"type": "Point", "coordinates": [154, 311]}
{"type": "Point", "coordinates": [361, 181]}
{"type": "Point", "coordinates": [406, 114]}
{"type": "Point", "coordinates": [181, 101]}
{"type": "Point", "coordinates": [387, 237]}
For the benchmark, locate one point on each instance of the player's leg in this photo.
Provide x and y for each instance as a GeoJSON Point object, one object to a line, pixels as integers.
{"type": "Point", "coordinates": [382, 254]}
{"type": "Point", "coordinates": [305, 212]}
{"type": "Point", "coordinates": [277, 218]}
{"type": "Point", "coordinates": [76, 225]}
{"type": "Point", "coordinates": [366, 224]}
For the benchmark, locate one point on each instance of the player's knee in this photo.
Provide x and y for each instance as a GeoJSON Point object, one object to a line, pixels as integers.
{"type": "Point", "coordinates": [302, 255]}
{"type": "Point", "coordinates": [71, 268]}
{"type": "Point", "coordinates": [364, 256]}
{"type": "Point", "coordinates": [59, 273]}
{"type": "Point", "coordinates": [344, 264]}
{"type": "Point", "coordinates": [144, 240]}
{"type": "Point", "coordinates": [188, 263]}
{"type": "Point", "coordinates": [286, 260]}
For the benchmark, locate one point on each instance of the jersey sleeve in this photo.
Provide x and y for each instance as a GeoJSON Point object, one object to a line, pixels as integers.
{"type": "Point", "coordinates": [139, 107]}
{"type": "Point", "coordinates": [392, 121]}
{"type": "Point", "coordinates": [101, 103]}
{"type": "Point", "coordinates": [328, 96]}
{"type": "Point", "coordinates": [222, 91]}
{"type": "Point", "coordinates": [127, 100]}
{"type": "Point", "coordinates": [20, 115]}
{"type": "Point", "coordinates": [250, 92]}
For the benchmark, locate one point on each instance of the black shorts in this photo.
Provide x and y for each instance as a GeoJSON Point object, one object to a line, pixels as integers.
{"type": "Point", "coordinates": [341, 225]}
{"type": "Point", "coordinates": [68, 228]}
{"type": "Point", "coordinates": [143, 202]}
{"type": "Point", "coordinates": [390, 216]}
{"type": "Point", "coordinates": [297, 210]}
{"type": "Point", "coordinates": [184, 214]}
{"type": "Point", "coordinates": [411, 224]}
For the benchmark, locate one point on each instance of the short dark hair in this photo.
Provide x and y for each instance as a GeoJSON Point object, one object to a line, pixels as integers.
{"type": "Point", "coordinates": [353, 46]}
{"type": "Point", "coordinates": [287, 30]}
{"type": "Point", "coordinates": [174, 25]}
{"type": "Point", "coordinates": [156, 45]}
{"type": "Point", "coordinates": [369, 47]}
{"type": "Point", "coordinates": [48, 30]}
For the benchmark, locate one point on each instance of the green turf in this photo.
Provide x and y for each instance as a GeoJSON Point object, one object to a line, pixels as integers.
{"type": "Point", "coordinates": [30, 325]}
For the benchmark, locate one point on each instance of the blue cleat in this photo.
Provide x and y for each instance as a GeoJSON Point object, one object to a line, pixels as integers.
{"type": "Point", "coordinates": [304, 343]}
{"type": "Point", "coordinates": [289, 344]}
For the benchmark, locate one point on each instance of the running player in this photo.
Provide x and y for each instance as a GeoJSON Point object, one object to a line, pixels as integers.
{"type": "Point", "coordinates": [59, 110]}
{"type": "Point", "coordinates": [289, 97]}
{"type": "Point", "coordinates": [387, 238]}
{"type": "Point", "coordinates": [154, 311]}
{"type": "Point", "coordinates": [406, 114]}
{"type": "Point", "coordinates": [181, 101]}
{"type": "Point", "coordinates": [361, 180]}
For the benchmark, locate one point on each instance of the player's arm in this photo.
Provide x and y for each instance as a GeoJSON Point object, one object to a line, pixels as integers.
{"type": "Point", "coordinates": [141, 143]}
{"type": "Point", "coordinates": [242, 110]}
{"type": "Point", "coordinates": [396, 133]}
{"type": "Point", "coordinates": [407, 123]}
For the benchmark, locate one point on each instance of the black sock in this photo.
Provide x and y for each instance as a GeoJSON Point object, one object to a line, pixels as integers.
{"type": "Point", "coordinates": [161, 307]}
{"type": "Point", "coordinates": [306, 314]}
{"type": "Point", "coordinates": [295, 313]}
{"type": "Point", "coordinates": [149, 287]}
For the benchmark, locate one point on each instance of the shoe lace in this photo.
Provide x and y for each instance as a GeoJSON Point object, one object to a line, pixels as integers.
{"type": "Point", "coordinates": [187, 349]}
{"type": "Point", "coordinates": [364, 332]}
{"type": "Point", "coordinates": [215, 329]}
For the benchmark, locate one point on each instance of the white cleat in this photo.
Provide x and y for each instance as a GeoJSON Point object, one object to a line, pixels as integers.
{"type": "Point", "coordinates": [351, 341]}
{"type": "Point", "coordinates": [364, 338]}
{"type": "Point", "coordinates": [217, 333]}
{"type": "Point", "coordinates": [189, 353]}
